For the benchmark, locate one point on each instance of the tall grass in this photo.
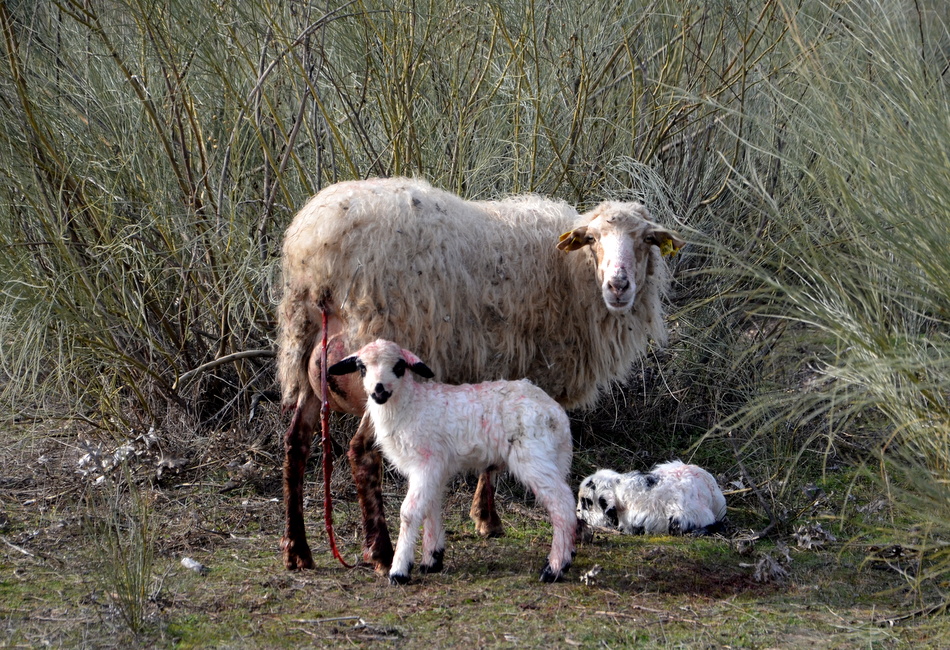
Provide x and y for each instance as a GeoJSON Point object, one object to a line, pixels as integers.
{"type": "Point", "coordinates": [155, 152]}
{"type": "Point", "coordinates": [853, 248]}
{"type": "Point", "coordinates": [122, 525]}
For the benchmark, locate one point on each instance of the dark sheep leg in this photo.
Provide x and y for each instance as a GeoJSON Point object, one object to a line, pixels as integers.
{"type": "Point", "coordinates": [366, 464]}
{"type": "Point", "coordinates": [297, 441]}
{"type": "Point", "coordinates": [483, 513]}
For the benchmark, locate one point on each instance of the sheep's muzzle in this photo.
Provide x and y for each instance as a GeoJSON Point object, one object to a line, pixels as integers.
{"type": "Point", "coordinates": [380, 394]}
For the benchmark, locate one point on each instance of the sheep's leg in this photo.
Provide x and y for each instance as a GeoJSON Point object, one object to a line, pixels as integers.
{"type": "Point", "coordinates": [366, 464]}
{"type": "Point", "coordinates": [483, 513]}
{"type": "Point", "coordinates": [433, 539]}
{"type": "Point", "coordinates": [558, 499]}
{"type": "Point", "coordinates": [421, 498]}
{"type": "Point", "coordinates": [297, 440]}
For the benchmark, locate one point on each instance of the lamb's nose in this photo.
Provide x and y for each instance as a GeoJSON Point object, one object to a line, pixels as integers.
{"type": "Point", "coordinates": [380, 389]}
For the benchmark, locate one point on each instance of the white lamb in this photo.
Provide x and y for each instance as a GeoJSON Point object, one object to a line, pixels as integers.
{"type": "Point", "coordinates": [672, 498]}
{"type": "Point", "coordinates": [430, 432]}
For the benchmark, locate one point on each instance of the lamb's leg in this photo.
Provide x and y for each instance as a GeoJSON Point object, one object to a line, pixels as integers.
{"type": "Point", "coordinates": [433, 539]}
{"type": "Point", "coordinates": [557, 498]}
{"type": "Point", "coordinates": [297, 440]}
{"type": "Point", "coordinates": [483, 513]}
{"type": "Point", "coordinates": [366, 464]}
{"type": "Point", "coordinates": [421, 497]}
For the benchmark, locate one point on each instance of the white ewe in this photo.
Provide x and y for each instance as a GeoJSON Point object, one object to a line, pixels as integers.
{"type": "Point", "coordinates": [672, 498]}
{"type": "Point", "coordinates": [483, 290]}
{"type": "Point", "coordinates": [432, 431]}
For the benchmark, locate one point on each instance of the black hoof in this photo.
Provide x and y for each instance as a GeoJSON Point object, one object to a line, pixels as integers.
{"type": "Point", "coordinates": [549, 575]}
{"type": "Point", "coordinates": [398, 579]}
{"type": "Point", "coordinates": [436, 566]}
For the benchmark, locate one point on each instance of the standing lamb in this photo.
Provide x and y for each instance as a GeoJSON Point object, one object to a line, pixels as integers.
{"type": "Point", "coordinates": [431, 432]}
{"type": "Point", "coordinates": [484, 290]}
{"type": "Point", "coordinates": [672, 498]}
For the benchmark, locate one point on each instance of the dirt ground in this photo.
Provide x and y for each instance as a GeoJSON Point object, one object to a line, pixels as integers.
{"type": "Point", "coordinates": [65, 576]}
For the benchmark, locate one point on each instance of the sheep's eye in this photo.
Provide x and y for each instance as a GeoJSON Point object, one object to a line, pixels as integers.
{"type": "Point", "coordinates": [602, 502]}
{"type": "Point", "coordinates": [586, 503]}
{"type": "Point", "coordinates": [361, 368]}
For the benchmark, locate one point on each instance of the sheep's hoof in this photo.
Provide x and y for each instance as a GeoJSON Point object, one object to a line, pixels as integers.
{"type": "Point", "coordinates": [436, 566]}
{"type": "Point", "coordinates": [490, 527]}
{"type": "Point", "coordinates": [398, 579]}
{"type": "Point", "coordinates": [550, 575]}
{"type": "Point", "coordinates": [296, 554]}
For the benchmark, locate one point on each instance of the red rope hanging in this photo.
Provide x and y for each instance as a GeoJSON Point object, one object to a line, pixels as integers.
{"type": "Point", "coordinates": [327, 450]}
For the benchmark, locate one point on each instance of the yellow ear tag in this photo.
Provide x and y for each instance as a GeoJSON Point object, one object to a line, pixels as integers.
{"type": "Point", "coordinates": [667, 248]}
{"type": "Point", "coordinates": [568, 239]}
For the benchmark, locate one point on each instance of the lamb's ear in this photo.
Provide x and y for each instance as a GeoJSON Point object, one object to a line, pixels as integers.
{"type": "Point", "coordinates": [668, 242]}
{"type": "Point", "coordinates": [416, 365]}
{"type": "Point", "coordinates": [573, 240]}
{"type": "Point", "coordinates": [344, 367]}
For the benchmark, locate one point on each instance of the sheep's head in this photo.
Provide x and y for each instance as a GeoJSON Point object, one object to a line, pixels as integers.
{"type": "Point", "coordinates": [596, 503]}
{"type": "Point", "coordinates": [621, 236]}
{"type": "Point", "coordinates": [382, 365]}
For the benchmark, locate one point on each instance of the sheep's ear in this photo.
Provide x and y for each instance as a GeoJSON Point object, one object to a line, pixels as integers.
{"type": "Point", "coordinates": [573, 240]}
{"type": "Point", "coordinates": [668, 242]}
{"type": "Point", "coordinates": [344, 367]}
{"type": "Point", "coordinates": [422, 370]}
{"type": "Point", "coordinates": [416, 365]}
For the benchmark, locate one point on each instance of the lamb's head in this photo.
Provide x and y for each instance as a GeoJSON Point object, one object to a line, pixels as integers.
{"type": "Point", "coordinates": [596, 503]}
{"type": "Point", "coordinates": [382, 365]}
{"type": "Point", "coordinates": [621, 236]}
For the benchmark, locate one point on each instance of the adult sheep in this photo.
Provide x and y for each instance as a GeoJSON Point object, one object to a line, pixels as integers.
{"type": "Point", "coordinates": [484, 290]}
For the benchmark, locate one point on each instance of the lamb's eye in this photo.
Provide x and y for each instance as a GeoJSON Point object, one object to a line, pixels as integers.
{"type": "Point", "coordinates": [400, 368]}
{"type": "Point", "coordinates": [361, 368]}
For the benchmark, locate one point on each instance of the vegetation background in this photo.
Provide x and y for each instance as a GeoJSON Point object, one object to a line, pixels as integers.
{"type": "Point", "coordinates": [153, 151]}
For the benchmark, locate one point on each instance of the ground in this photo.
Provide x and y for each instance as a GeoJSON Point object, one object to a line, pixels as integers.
{"type": "Point", "coordinates": [62, 586]}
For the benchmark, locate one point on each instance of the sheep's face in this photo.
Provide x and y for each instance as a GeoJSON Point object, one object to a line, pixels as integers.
{"type": "Point", "coordinates": [621, 238]}
{"type": "Point", "coordinates": [382, 366]}
{"type": "Point", "coordinates": [596, 503]}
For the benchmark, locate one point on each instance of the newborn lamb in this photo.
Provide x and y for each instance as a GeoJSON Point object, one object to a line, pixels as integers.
{"type": "Point", "coordinates": [430, 432]}
{"type": "Point", "coordinates": [672, 498]}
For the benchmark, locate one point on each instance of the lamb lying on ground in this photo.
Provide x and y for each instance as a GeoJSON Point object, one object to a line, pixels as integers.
{"type": "Point", "coordinates": [430, 432]}
{"type": "Point", "coordinates": [672, 498]}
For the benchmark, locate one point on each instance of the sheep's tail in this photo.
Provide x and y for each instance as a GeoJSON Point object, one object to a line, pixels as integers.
{"type": "Point", "coordinates": [297, 335]}
{"type": "Point", "coordinates": [327, 450]}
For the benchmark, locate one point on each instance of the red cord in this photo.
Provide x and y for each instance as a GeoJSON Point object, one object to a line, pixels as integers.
{"type": "Point", "coordinates": [327, 450]}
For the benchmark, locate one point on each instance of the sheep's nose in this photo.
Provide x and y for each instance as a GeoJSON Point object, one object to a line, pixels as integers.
{"type": "Point", "coordinates": [380, 394]}
{"type": "Point", "coordinates": [619, 283]}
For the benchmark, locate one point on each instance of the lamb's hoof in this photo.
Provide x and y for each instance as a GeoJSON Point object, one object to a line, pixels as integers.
{"type": "Point", "coordinates": [398, 579]}
{"type": "Point", "coordinates": [296, 554]}
{"type": "Point", "coordinates": [436, 566]}
{"type": "Point", "coordinates": [550, 575]}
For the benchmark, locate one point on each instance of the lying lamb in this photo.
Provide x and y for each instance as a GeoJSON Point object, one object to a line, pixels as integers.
{"type": "Point", "coordinates": [432, 431]}
{"type": "Point", "coordinates": [672, 498]}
